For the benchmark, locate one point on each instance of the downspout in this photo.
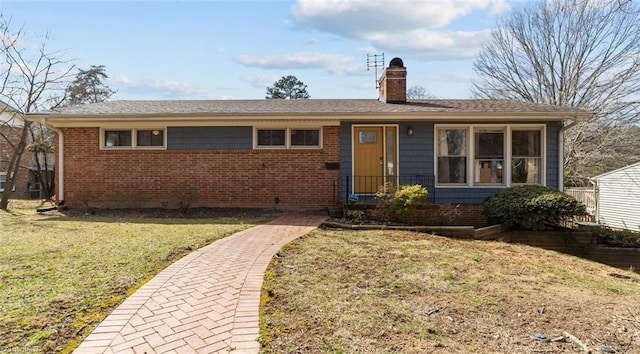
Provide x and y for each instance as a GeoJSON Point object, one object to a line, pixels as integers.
{"type": "Point", "coordinates": [561, 154]}
{"type": "Point", "coordinates": [596, 192]}
{"type": "Point", "coordinates": [60, 159]}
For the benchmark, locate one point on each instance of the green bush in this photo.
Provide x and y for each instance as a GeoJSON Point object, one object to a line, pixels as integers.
{"type": "Point", "coordinates": [530, 207]}
{"type": "Point", "coordinates": [406, 198]}
{"type": "Point", "coordinates": [398, 202]}
{"type": "Point", "coordinates": [617, 238]}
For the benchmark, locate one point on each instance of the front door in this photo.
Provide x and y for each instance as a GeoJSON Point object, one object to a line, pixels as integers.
{"type": "Point", "coordinates": [374, 157]}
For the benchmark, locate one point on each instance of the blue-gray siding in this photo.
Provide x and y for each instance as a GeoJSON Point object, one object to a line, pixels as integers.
{"type": "Point", "coordinates": [619, 198]}
{"type": "Point", "coordinates": [209, 138]}
{"type": "Point", "coordinates": [552, 154]}
{"type": "Point", "coordinates": [416, 158]}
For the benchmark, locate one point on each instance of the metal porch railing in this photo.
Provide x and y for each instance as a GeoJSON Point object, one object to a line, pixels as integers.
{"type": "Point", "coordinates": [364, 188]}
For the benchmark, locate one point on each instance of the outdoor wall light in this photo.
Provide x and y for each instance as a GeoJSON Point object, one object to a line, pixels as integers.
{"type": "Point", "coordinates": [155, 132]}
{"type": "Point", "coordinates": [409, 131]}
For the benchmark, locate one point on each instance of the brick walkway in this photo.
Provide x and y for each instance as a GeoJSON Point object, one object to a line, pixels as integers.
{"type": "Point", "coordinates": [207, 302]}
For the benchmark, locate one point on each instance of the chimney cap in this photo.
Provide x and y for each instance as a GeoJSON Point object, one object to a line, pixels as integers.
{"type": "Point", "coordinates": [396, 62]}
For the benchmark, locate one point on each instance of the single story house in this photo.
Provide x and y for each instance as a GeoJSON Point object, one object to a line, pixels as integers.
{"type": "Point", "coordinates": [618, 198]}
{"type": "Point", "coordinates": [296, 154]}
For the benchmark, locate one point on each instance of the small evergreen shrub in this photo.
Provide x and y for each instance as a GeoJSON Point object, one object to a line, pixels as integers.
{"type": "Point", "coordinates": [617, 238]}
{"type": "Point", "coordinates": [398, 202]}
{"type": "Point", "coordinates": [530, 207]}
{"type": "Point", "coordinates": [356, 216]}
{"type": "Point", "coordinates": [406, 198]}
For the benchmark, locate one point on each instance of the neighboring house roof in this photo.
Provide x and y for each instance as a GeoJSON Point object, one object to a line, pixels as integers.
{"type": "Point", "coordinates": [607, 174]}
{"type": "Point", "coordinates": [308, 110]}
{"type": "Point", "coordinates": [8, 113]}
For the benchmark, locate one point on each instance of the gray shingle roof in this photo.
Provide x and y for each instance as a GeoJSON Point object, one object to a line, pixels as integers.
{"type": "Point", "coordinates": [311, 106]}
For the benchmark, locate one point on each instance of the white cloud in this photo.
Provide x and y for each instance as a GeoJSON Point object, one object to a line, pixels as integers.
{"type": "Point", "coordinates": [332, 63]}
{"type": "Point", "coordinates": [431, 44]}
{"type": "Point", "coordinates": [353, 18]}
{"type": "Point", "coordinates": [401, 26]}
{"type": "Point", "coordinates": [155, 89]}
{"type": "Point", "coordinates": [260, 81]}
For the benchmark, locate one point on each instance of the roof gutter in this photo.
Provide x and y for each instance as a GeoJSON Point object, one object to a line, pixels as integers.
{"type": "Point", "coordinates": [43, 120]}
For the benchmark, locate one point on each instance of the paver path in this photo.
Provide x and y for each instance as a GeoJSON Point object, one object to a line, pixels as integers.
{"type": "Point", "coordinates": [206, 302]}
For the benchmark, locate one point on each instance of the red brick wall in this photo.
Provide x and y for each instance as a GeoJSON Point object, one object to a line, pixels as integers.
{"type": "Point", "coordinates": [6, 151]}
{"type": "Point", "coordinates": [436, 214]}
{"type": "Point", "coordinates": [217, 178]}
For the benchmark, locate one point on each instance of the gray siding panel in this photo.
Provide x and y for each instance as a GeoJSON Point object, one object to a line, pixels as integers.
{"type": "Point", "coordinates": [619, 199]}
{"type": "Point", "coordinates": [416, 151]}
{"type": "Point", "coordinates": [462, 195]}
{"type": "Point", "coordinates": [209, 138]}
{"type": "Point", "coordinates": [345, 149]}
{"type": "Point", "coordinates": [552, 154]}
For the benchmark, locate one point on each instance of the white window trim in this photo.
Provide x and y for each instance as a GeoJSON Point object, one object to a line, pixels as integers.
{"type": "Point", "coordinates": [543, 152]}
{"type": "Point", "coordinates": [287, 137]}
{"type": "Point", "coordinates": [134, 138]}
{"type": "Point", "coordinates": [470, 149]}
{"type": "Point", "coordinates": [5, 182]}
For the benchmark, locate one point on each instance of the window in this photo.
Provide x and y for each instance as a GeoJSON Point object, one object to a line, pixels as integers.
{"type": "Point", "coordinates": [113, 138]}
{"type": "Point", "coordinates": [526, 156]}
{"type": "Point", "coordinates": [150, 137]}
{"type": "Point", "coordinates": [3, 181]}
{"type": "Point", "coordinates": [291, 138]}
{"type": "Point", "coordinates": [452, 160]}
{"type": "Point", "coordinates": [305, 137]}
{"type": "Point", "coordinates": [485, 155]}
{"type": "Point", "coordinates": [489, 155]}
{"type": "Point", "coordinates": [271, 137]}
{"type": "Point", "coordinates": [133, 138]}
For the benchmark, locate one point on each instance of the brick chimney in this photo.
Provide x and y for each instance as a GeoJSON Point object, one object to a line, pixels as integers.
{"type": "Point", "coordinates": [393, 83]}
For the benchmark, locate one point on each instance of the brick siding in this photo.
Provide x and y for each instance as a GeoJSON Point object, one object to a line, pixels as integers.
{"type": "Point", "coordinates": [435, 214]}
{"type": "Point", "coordinates": [247, 178]}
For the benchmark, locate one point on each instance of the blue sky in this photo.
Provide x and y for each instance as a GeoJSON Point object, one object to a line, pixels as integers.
{"type": "Point", "coordinates": [235, 49]}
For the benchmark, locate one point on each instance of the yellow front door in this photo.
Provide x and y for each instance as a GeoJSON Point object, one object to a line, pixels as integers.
{"type": "Point", "coordinates": [374, 157]}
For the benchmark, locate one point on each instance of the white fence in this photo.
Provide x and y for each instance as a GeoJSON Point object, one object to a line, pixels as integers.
{"type": "Point", "coordinates": [586, 196]}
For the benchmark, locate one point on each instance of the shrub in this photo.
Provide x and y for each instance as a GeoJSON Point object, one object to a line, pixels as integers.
{"type": "Point", "coordinates": [530, 207]}
{"type": "Point", "coordinates": [185, 196]}
{"type": "Point", "coordinates": [406, 198]}
{"type": "Point", "coordinates": [356, 216]}
{"type": "Point", "coordinates": [401, 201]}
{"type": "Point", "coordinates": [616, 237]}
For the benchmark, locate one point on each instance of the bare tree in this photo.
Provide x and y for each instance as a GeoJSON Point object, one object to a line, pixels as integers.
{"type": "Point", "coordinates": [418, 92]}
{"type": "Point", "coordinates": [32, 78]}
{"type": "Point", "coordinates": [572, 53]}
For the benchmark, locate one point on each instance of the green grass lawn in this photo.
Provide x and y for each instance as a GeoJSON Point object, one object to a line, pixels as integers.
{"type": "Point", "coordinates": [60, 276]}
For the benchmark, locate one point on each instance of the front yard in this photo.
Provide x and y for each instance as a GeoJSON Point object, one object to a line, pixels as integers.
{"type": "Point", "coordinates": [60, 276]}
{"type": "Point", "coordinates": [327, 292]}
{"type": "Point", "coordinates": [406, 292]}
